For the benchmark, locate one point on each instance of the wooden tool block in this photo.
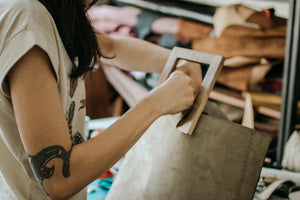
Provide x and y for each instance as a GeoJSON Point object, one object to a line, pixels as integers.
{"type": "Point", "coordinates": [188, 120]}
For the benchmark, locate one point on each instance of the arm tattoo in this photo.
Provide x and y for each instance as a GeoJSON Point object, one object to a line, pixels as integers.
{"type": "Point", "coordinates": [41, 159]}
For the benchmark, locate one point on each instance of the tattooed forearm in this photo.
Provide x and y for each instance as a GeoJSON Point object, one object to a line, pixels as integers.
{"type": "Point", "coordinates": [41, 159]}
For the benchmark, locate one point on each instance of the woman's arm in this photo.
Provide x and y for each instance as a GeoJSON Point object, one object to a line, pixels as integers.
{"type": "Point", "coordinates": [133, 54]}
{"type": "Point", "coordinates": [43, 128]}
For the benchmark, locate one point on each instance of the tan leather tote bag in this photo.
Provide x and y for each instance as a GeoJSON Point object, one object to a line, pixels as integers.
{"type": "Point", "coordinates": [221, 160]}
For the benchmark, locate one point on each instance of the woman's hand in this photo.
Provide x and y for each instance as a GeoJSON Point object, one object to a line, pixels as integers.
{"type": "Point", "coordinates": [176, 94]}
{"type": "Point", "coordinates": [190, 68]}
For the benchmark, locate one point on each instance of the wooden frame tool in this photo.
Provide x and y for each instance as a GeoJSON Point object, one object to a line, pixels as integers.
{"type": "Point", "coordinates": [189, 119]}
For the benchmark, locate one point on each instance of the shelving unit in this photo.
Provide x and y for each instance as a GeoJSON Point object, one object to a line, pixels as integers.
{"type": "Point", "coordinates": [291, 75]}
{"type": "Point", "coordinates": [291, 79]}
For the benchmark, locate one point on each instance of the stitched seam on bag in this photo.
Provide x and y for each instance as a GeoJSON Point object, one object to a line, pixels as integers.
{"type": "Point", "coordinates": [243, 171]}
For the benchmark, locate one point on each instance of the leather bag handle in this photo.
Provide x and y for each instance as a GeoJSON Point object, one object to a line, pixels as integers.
{"type": "Point", "coordinates": [189, 119]}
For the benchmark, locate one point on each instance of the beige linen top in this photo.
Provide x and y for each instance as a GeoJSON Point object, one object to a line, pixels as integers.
{"type": "Point", "coordinates": [24, 24]}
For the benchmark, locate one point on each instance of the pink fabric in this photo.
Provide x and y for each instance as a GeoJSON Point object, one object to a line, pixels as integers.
{"type": "Point", "coordinates": [114, 21]}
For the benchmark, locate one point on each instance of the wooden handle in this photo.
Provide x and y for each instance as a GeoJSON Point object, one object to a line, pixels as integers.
{"type": "Point", "coordinates": [189, 119]}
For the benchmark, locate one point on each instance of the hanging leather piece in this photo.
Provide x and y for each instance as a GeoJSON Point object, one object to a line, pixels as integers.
{"type": "Point", "coordinates": [229, 46]}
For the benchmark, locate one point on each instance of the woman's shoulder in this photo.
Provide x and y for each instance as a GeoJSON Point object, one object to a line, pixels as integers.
{"type": "Point", "coordinates": [17, 6]}
{"type": "Point", "coordinates": [24, 24]}
{"type": "Point", "coordinates": [23, 12]}
{"type": "Point", "coordinates": [13, 4]}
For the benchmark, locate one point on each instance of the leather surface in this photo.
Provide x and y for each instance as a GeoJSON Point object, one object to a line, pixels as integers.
{"type": "Point", "coordinates": [221, 160]}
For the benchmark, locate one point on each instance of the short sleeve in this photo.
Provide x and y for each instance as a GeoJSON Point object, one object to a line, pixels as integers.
{"type": "Point", "coordinates": [35, 29]}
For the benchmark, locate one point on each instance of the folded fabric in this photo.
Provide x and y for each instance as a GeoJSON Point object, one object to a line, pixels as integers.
{"type": "Point", "coordinates": [240, 20]}
{"type": "Point", "coordinates": [291, 156]}
{"type": "Point", "coordinates": [114, 21]}
{"type": "Point", "coordinates": [242, 31]}
{"type": "Point", "coordinates": [243, 78]}
{"type": "Point", "coordinates": [189, 30]}
{"type": "Point", "coordinates": [182, 30]}
{"type": "Point", "coordinates": [144, 24]}
{"type": "Point", "coordinates": [145, 20]}
{"type": "Point", "coordinates": [282, 187]}
{"type": "Point", "coordinates": [277, 29]}
{"type": "Point", "coordinates": [294, 193]}
{"type": "Point", "coordinates": [232, 15]}
{"type": "Point", "coordinates": [239, 61]}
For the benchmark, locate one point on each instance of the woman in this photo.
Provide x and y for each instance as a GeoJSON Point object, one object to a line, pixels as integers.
{"type": "Point", "coordinates": [46, 48]}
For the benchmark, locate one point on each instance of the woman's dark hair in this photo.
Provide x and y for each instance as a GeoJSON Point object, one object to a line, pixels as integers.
{"type": "Point", "coordinates": [76, 33]}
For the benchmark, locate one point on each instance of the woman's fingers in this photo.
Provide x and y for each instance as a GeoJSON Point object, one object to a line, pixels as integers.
{"type": "Point", "coordinates": [176, 94]}
{"type": "Point", "coordinates": [190, 68]}
{"type": "Point", "coordinates": [195, 84]}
